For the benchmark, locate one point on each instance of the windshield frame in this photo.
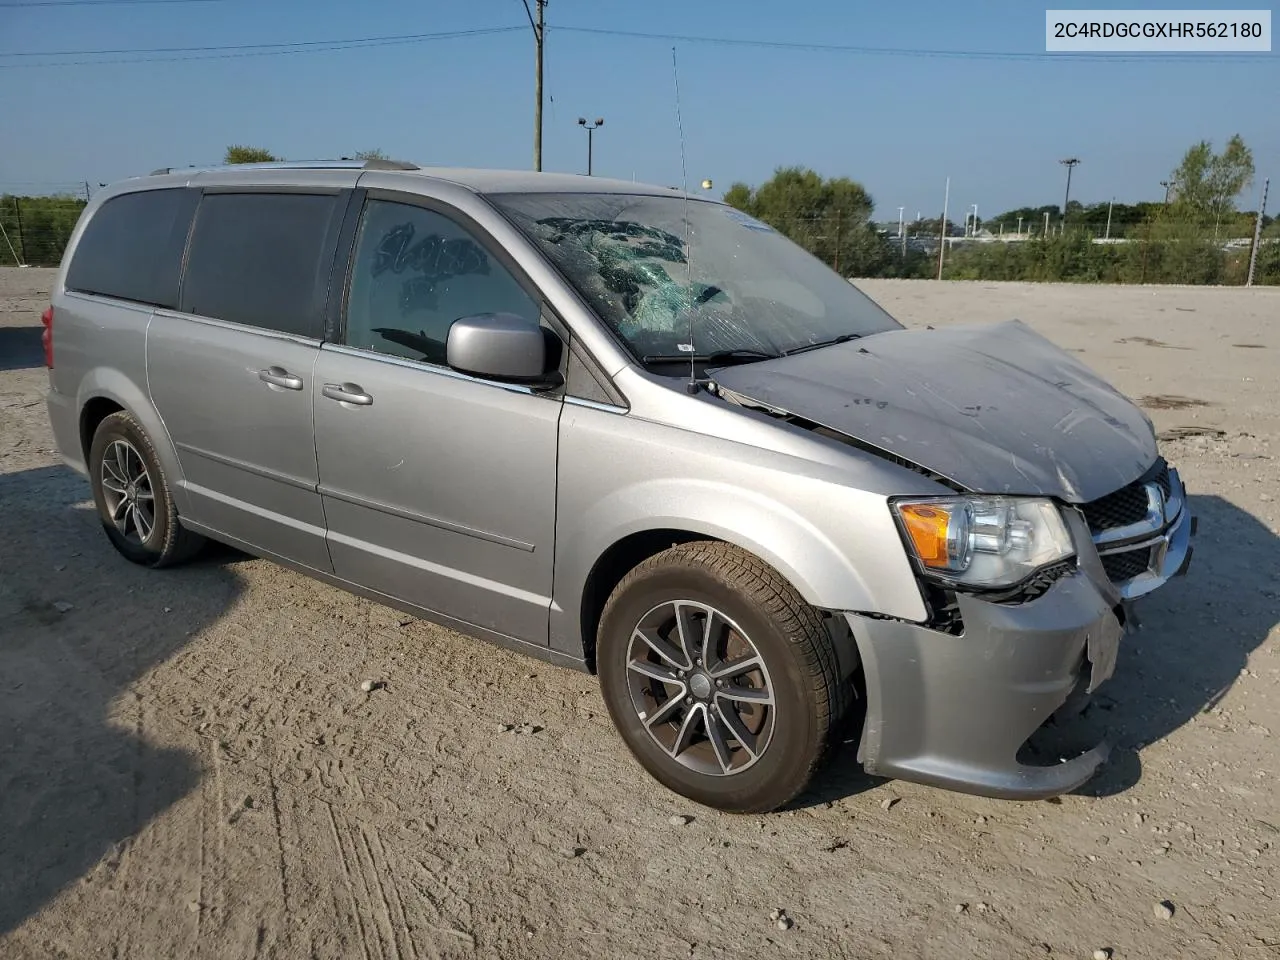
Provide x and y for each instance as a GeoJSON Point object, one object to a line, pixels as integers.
{"type": "Point", "coordinates": [506, 204]}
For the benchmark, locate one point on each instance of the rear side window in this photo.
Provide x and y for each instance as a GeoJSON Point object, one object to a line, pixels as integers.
{"type": "Point", "coordinates": [259, 259]}
{"type": "Point", "coordinates": [131, 248]}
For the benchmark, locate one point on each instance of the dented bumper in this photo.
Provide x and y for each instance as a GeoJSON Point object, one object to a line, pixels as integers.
{"type": "Point", "coordinates": [954, 710]}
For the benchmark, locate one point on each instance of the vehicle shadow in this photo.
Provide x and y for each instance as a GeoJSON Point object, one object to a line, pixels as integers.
{"type": "Point", "coordinates": [1196, 637]}
{"type": "Point", "coordinates": [20, 348]}
{"type": "Point", "coordinates": [842, 776]}
{"type": "Point", "coordinates": [79, 629]}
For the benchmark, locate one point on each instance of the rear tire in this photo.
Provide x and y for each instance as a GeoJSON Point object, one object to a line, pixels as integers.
{"type": "Point", "coordinates": [740, 718]}
{"type": "Point", "coordinates": [133, 497]}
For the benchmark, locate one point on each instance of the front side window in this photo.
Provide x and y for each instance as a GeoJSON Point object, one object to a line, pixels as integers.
{"type": "Point", "coordinates": [415, 272]}
{"type": "Point", "coordinates": [675, 278]}
{"type": "Point", "coordinates": [257, 259]}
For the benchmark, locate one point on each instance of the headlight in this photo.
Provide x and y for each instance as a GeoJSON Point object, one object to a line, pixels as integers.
{"type": "Point", "coordinates": [983, 541]}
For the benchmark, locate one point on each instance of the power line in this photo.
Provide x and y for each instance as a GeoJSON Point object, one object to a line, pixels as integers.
{"type": "Point", "coordinates": [230, 51]}
{"type": "Point", "coordinates": [254, 46]}
{"type": "Point", "coordinates": [252, 50]}
{"type": "Point", "coordinates": [913, 52]}
{"type": "Point", "coordinates": [92, 3]}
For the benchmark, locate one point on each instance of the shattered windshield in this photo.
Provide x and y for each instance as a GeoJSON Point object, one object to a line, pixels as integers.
{"type": "Point", "coordinates": [675, 279]}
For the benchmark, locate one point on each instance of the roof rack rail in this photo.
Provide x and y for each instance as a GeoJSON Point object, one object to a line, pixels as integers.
{"type": "Point", "coordinates": [344, 164]}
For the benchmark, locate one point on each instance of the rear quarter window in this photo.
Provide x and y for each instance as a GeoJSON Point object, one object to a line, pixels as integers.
{"type": "Point", "coordinates": [259, 259]}
{"type": "Point", "coordinates": [131, 248]}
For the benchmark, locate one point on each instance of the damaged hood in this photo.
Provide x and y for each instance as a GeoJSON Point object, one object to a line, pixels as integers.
{"type": "Point", "coordinates": [995, 409]}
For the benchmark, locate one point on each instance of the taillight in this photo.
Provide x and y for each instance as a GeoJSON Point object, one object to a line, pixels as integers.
{"type": "Point", "coordinates": [46, 337]}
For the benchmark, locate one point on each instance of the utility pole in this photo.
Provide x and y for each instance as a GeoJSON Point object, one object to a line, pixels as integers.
{"type": "Point", "coordinates": [900, 221]}
{"type": "Point", "coordinates": [539, 36]}
{"type": "Point", "coordinates": [942, 249]}
{"type": "Point", "coordinates": [1109, 206]}
{"type": "Point", "coordinates": [1046, 224]}
{"type": "Point", "coordinates": [1257, 232]}
{"type": "Point", "coordinates": [1019, 226]}
{"type": "Point", "coordinates": [1069, 163]}
{"type": "Point", "coordinates": [1168, 185]}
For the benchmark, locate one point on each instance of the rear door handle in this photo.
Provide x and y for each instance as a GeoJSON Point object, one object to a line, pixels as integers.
{"type": "Point", "coordinates": [280, 377]}
{"type": "Point", "coordinates": [347, 393]}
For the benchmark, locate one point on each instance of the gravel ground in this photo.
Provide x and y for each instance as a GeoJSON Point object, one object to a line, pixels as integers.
{"type": "Point", "coordinates": [190, 768]}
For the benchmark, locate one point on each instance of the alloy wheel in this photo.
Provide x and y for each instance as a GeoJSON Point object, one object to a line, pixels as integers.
{"type": "Point", "coordinates": [700, 687]}
{"type": "Point", "coordinates": [127, 491]}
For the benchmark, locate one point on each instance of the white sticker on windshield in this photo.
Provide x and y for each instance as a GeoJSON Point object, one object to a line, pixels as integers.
{"type": "Point", "coordinates": [685, 347]}
{"type": "Point", "coordinates": [751, 223]}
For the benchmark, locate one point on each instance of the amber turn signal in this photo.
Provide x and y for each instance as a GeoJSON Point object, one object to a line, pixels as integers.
{"type": "Point", "coordinates": [928, 526]}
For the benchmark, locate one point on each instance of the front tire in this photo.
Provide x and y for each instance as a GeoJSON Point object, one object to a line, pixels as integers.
{"type": "Point", "coordinates": [721, 680]}
{"type": "Point", "coordinates": [133, 497]}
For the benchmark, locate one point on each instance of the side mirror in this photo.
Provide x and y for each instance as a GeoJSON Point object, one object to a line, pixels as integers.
{"type": "Point", "coordinates": [502, 346]}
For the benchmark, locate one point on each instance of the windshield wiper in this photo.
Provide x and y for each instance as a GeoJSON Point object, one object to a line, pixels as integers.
{"type": "Point", "coordinates": [719, 356]}
{"type": "Point", "coordinates": [843, 338]}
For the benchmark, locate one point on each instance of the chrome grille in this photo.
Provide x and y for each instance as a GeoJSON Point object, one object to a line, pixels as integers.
{"type": "Point", "coordinates": [1126, 565]}
{"type": "Point", "coordinates": [1128, 504]}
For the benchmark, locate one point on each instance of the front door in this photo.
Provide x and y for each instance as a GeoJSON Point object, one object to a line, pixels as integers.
{"type": "Point", "coordinates": [438, 488]}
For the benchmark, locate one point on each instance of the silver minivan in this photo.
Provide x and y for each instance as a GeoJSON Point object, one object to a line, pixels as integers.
{"type": "Point", "coordinates": [626, 430]}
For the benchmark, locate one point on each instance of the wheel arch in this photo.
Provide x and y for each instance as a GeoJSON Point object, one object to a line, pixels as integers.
{"type": "Point", "coordinates": [105, 391]}
{"type": "Point", "coordinates": [593, 557]}
{"type": "Point", "coordinates": [610, 567]}
{"type": "Point", "coordinates": [95, 410]}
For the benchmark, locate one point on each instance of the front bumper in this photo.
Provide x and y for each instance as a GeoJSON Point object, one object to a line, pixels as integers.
{"type": "Point", "coordinates": [953, 711]}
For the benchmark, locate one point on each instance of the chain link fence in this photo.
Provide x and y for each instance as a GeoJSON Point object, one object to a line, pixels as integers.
{"type": "Point", "coordinates": [35, 230]}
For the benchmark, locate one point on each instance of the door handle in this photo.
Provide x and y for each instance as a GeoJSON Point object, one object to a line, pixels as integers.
{"type": "Point", "coordinates": [280, 377]}
{"type": "Point", "coordinates": [347, 393]}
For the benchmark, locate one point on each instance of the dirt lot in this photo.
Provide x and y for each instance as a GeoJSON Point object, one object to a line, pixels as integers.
{"type": "Point", "coordinates": [188, 767]}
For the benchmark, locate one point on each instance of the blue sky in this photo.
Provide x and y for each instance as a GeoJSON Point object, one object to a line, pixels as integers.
{"type": "Point", "coordinates": [898, 124]}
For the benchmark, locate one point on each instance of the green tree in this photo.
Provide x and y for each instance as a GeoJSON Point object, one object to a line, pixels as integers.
{"type": "Point", "coordinates": [242, 154]}
{"type": "Point", "coordinates": [831, 218]}
{"type": "Point", "coordinates": [1206, 184]}
{"type": "Point", "coordinates": [374, 154]}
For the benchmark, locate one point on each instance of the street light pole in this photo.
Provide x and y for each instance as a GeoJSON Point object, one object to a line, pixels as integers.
{"type": "Point", "coordinates": [591, 129]}
{"type": "Point", "coordinates": [1069, 163]}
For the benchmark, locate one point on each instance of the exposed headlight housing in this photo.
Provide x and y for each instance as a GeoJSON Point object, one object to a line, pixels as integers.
{"type": "Point", "coordinates": [980, 541]}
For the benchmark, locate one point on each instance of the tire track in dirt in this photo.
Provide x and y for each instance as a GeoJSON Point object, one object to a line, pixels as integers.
{"type": "Point", "coordinates": [287, 907]}
{"type": "Point", "coordinates": [202, 854]}
{"type": "Point", "coordinates": [348, 881]}
{"type": "Point", "coordinates": [378, 871]}
{"type": "Point", "coordinates": [403, 923]}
